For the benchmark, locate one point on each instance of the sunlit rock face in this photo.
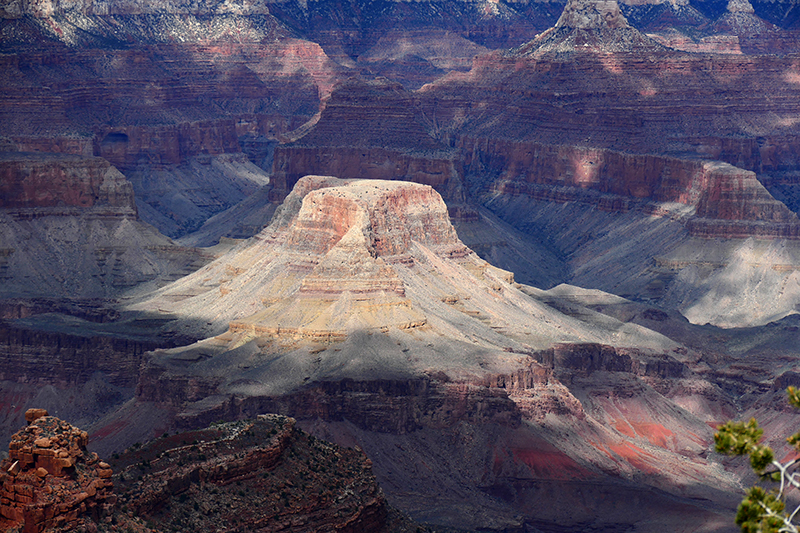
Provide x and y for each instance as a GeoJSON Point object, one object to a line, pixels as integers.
{"type": "Point", "coordinates": [342, 256]}
{"type": "Point", "coordinates": [359, 312]}
{"type": "Point", "coordinates": [594, 14]}
{"type": "Point", "coordinates": [589, 25]}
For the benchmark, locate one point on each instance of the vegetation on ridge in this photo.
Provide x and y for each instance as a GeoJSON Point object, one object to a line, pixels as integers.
{"type": "Point", "coordinates": [763, 511]}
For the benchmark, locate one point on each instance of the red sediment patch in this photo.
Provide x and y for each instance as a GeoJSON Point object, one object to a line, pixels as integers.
{"type": "Point", "coordinates": [790, 456]}
{"type": "Point", "coordinates": [550, 464]}
{"type": "Point", "coordinates": [657, 434]}
{"type": "Point", "coordinates": [12, 404]}
{"type": "Point", "coordinates": [108, 429]}
{"type": "Point", "coordinates": [624, 427]}
{"type": "Point", "coordinates": [634, 455]}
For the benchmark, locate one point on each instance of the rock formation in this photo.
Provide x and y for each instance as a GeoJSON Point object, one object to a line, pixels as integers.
{"type": "Point", "coordinates": [339, 247]}
{"type": "Point", "coordinates": [558, 121]}
{"type": "Point", "coordinates": [171, 106]}
{"type": "Point", "coordinates": [71, 243]}
{"type": "Point", "coordinates": [485, 404]}
{"type": "Point", "coordinates": [359, 312]}
{"type": "Point", "coordinates": [584, 25]}
{"type": "Point", "coordinates": [31, 182]}
{"type": "Point", "coordinates": [262, 475]}
{"type": "Point", "coordinates": [50, 482]}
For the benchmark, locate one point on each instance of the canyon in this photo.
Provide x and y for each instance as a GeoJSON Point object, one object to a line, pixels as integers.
{"type": "Point", "coordinates": [524, 255]}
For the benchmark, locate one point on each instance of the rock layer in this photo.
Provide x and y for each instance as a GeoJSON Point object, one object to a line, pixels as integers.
{"type": "Point", "coordinates": [359, 308]}
{"type": "Point", "coordinates": [70, 229]}
{"type": "Point", "coordinates": [370, 130]}
{"type": "Point", "coordinates": [180, 94]}
{"type": "Point", "coordinates": [36, 184]}
{"type": "Point", "coordinates": [724, 201]}
{"type": "Point", "coordinates": [339, 247]}
{"type": "Point", "coordinates": [262, 474]}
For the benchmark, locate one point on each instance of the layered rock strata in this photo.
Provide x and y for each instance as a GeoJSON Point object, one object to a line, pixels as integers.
{"type": "Point", "coordinates": [49, 479]}
{"type": "Point", "coordinates": [38, 184]}
{"type": "Point", "coordinates": [360, 312]}
{"type": "Point", "coordinates": [262, 474]}
{"type": "Point", "coordinates": [70, 229]}
{"type": "Point", "coordinates": [723, 201]}
{"type": "Point", "coordinates": [369, 130]}
{"type": "Point", "coordinates": [592, 25]}
{"type": "Point", "coordinates": [180, 95]}
{"type": "Point", "coordinates": [337, 248]}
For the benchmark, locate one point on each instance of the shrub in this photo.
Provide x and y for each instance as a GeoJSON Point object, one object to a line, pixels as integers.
{"type": "Point", "coordinates": [762, 510]}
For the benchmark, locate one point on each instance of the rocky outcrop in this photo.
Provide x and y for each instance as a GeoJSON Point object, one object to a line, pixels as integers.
{"type": "Point", "coordinates": [590, 25]}
{"type": "Point", "coordinates": [737, 205]}
{"type": "Point", "coordinates": [262, 474]}
{"type": "Point", "coordinates": [50, 482]}
{"type": "Point", "coordinates": [552, 126]}
{"type": "Point", "coordinates": [70, 229]}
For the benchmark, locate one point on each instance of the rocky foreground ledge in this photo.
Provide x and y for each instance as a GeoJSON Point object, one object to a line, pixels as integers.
{"type": "Point", "coordinates": [253, 475]}
{"type": "Point", "coordinates": [50, 481]}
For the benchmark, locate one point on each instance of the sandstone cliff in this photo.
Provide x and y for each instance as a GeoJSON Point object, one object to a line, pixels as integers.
{"type": "Point", "coordinates": [723, 200]}
{"type": "Point", "coordinates": [337, 247]}
{"type": "Point", "coordinates": [369, 130]}
{"type": "Point", "coordinates": [53, 181]}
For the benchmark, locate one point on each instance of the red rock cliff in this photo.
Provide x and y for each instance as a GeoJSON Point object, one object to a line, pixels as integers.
{"type": "Point", "coordinates": [48, 181]}
{"type": "Point", "coordinates": [369, 130]}
{"type": "Point", "coordinates": [728, 201]}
